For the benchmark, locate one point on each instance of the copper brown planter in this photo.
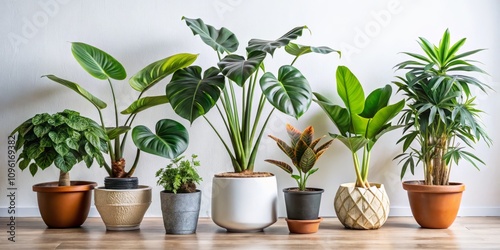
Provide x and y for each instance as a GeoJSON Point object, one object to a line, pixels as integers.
{"type": "Point", "coordinates": [303, 226]}
{"type": "Point", "coordinates": [66, 206]}
{"type": "Point", "coordinates": [434, 206]}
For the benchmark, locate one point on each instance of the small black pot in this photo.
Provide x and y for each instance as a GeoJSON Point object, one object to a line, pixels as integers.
{"type": "Point", "coordinates": [302, 205]}
{"type": "Point", "coordinates": [121, 183]}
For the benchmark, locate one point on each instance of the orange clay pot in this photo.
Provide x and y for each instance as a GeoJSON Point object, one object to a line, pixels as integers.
{"type": "Point", "coordinates": [303, 226]}
{"type": "Point", "coordinates": [66, 206]}
{"type": "Point", "coordinates": [434, 206]}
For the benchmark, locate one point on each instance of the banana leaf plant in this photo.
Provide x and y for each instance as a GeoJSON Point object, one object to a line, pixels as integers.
{"type": "Point", "coordinates": [441, 117]}
{"type": "Point", "coordinates": [363, 121]}
{"type": "Point", "coordinates": [170, 138]}
{"type": "Point", "coordinates": [303, 153]}
{"type": "Point", "coordinates": [193, 92]}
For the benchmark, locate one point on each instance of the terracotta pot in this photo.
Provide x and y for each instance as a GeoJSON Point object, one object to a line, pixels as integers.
{"type": "Point", "coordinates": [362, 208]}
{"type": "Point", "coordinates": [303, 226]}
{"type": "Point", "coordinates": [434, 206]}
{"type": "Point", "coordinates": [66, 206]}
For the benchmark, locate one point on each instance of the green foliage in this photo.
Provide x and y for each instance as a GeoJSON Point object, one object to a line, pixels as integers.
{"type": "Point", "coordinates": [363, 121]}
{"type": "Point", "coordinates": [441, 113]}
{"type": "Point", "coordinates": [193, 94]}
{"type": "Point", "coordinates": [62, 139]}
{"type": "Point", "coordinates": [303, 153]}
{"type": "Point", "coordinates": [180, 175]}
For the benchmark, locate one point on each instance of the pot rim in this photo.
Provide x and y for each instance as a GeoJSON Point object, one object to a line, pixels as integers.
{"type": "Point", "coordinates": [312, 190]}
{"type": "Point", "coordinates": [353, 185]}
{"type": "Point", "coordinates": [318, 220]}
{"type": "Point", "coordinates": [138, 189]}
{"type": "Point", "coordinates": [243, 176]}
{"type": "Point", "coordinates": [417, 186]}
{"type": "Point", "coordinates": [168, 192]}
{"type": "Point", "coordinates": [76, 186]}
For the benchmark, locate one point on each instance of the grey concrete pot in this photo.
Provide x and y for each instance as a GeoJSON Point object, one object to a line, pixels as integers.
{"type": "Point", "coordinates": [180, 211]}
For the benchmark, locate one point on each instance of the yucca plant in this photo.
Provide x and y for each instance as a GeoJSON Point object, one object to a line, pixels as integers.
{"type": "Point", "coordinates": [303, 151]}
{"type": "Point", "coordinates": [170, 138]}
{"type": "Point", "coordinates": [363, 121]}
{"type": "Point", "coordinates": [231, 87]}
{"type": "Point", "coordinates": [441, 117]}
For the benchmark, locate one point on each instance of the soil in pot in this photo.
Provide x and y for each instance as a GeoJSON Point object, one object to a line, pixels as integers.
{"type": "Point", "coordinates": [65, 206]}
{"type": "Point", "coordinates": [302, 205]}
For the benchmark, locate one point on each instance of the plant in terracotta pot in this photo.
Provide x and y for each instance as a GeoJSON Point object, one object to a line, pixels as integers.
{"type": "Point", "coordinates": [440, 123]}
{"type": "Point", "coordinates": [302, 202]}
{"type": "Point", "coordinates": [62, 140]}
{"type": "Point", "coordinates": [231, 87]}
{"type": "Point", "coordinates": [180, 200]}
{"type": "Point", "coordinates": [169, 139]}
{"type": "Point", "coordinates": [361, 123]}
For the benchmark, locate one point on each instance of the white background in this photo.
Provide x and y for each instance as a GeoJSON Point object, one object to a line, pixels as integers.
{"type": "Point", "coordinates": [35, 36]}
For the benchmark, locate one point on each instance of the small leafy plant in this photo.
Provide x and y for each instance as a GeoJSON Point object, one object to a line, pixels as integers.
{"type": "Point", "coordinates": [62, 139]}
{"type": "Point", "coordinates": [302, 152]}
{"type": "Point", "coordinates": [180, 175]}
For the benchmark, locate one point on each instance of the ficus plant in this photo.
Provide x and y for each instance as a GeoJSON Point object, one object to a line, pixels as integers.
{"type": "Point", "coordinates": [170, 138]}
{"type": "Point", "coordinates": [441, 117]}
{"type": "Point", "coordinates": [62, 139]}
{"type": "Point", "coordinates": [303, 151]}
{"type": "Point", "coordinates": [362, 121]}
{"type": "Point", "coordinates": [231, 86]}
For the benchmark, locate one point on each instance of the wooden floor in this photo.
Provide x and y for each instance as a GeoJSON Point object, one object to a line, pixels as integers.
{"type": "Point", "coordinates": [397, 233]}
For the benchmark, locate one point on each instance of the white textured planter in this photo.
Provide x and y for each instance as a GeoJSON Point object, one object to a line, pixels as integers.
{"type": "Point", "coordinates": [122, 209]}
{"type": "Point", "coordinates": [361, 208]}
{"type": "Point", "coordinates": [244, 204]}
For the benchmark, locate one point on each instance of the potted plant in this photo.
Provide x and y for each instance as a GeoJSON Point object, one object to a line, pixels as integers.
{"type": "Point", "coordinates": [302, 202]}
{"type": "Point", "coordinates": [62, 140]}
{"type": "Point", "coordinates": [122, 202]}
{"type": "Point", "coordinates": [243, 200]}
{"type": "Point", "coordinates": [180, 200]}
{"type": "Point", "coordinates": [440, 122]}
{"type": "Point", "coordinates": [360, 205]}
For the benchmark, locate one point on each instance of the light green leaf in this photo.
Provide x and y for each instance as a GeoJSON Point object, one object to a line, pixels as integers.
{"type": "Point", "coordinates": [350, 90]}
{"type": "Point", "coordinates": [97, 63]}
{"type": "Point", "coordinates": [113, 133]}
{"type": "Point", "coordinates": [145, 103]}
{"type": "Point", "coordinates": [78, 89]}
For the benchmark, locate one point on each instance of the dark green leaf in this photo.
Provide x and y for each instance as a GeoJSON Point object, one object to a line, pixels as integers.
{"type": "Point", "coordinates": [222, 40]}
{"type": "Point", "coordinates": [145, 103]}
{"type": "Point", "coordinates": [270, 46]}
{"type": "Point", "coordinates": [78, 89]}
{"type": "Point", "coordinates": [238, 69]}
{"type": "Point", "coordinates": [113, 133]}
{"type": "Point", "coordinates": [171, 139]}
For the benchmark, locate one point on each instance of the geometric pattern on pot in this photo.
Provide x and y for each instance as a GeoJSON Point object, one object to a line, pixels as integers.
{"type": "Point", "coordinates": [362, 208]}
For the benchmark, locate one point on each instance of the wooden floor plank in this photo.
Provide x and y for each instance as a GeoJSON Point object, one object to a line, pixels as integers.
{"type": "Point", "coordinates": [397, 233]}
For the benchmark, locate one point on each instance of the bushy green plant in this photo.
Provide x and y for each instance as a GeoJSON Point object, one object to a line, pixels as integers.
{"type": "Point", "coordinates": [441, 117]}
{"type": "Point", "coordinates": [62, 139]}
{"type": "Point", "coordinates": [303, 153]}
{"type": "Point", "coordinates": [180, 175]}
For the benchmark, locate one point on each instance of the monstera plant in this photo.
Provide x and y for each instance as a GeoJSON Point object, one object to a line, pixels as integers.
{"type": "Point", "coordinates": [170, 138]}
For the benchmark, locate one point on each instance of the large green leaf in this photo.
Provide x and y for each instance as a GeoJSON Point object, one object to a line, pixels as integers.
{"type": "Point", "coordinates": [238, 69]}
{"type": "Point", "coordinates": [78, 89]}
{"type": "Point", "coordinates": [353, 143]}
{"type": "Point", "coordinates": [97, 63]}
{"type": "Point", "coordinates": [270, 46]}
{"type": "Point", "coordinates": [192, 95]}
{"type": "Point", "coordinates": [350, 90]}
{"type": "Point", "coordinates": [376, 100]}
{"type": "Point", "coordinates": [222, 40]}
{"type": "Point", "coordinates": [114, 132]}
{"type": "Point", "coordinates": [338, 115]}
{"type": "Point", "coordinates": [298, 50]}
{"type": "Point", "coordinates": [290, 92]}
{"type": "Point", "coordinates": [170, 140]}
{"type": "Point", "coordinates": [145, 103]}
{"type": "Point", "coordinates": [155, 72]}
{"type": "Point", "coordinates": [382, 117]}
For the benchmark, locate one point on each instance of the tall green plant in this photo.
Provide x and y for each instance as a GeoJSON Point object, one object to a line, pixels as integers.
{"type": "Point", "coordinates": [363, 121]}
{"type": "Point", "coordinates": [441, 117]}
{"type": "Point", "coordinates": [170, 138]}
{"type": "Point", "coordinates": [193, 92]}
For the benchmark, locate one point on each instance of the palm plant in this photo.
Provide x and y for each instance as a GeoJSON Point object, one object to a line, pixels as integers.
{"type": "Point", "coordinates": [303, 153]}
{"type": "Point", "coordinates": [441, 116]}
{"type": "Point", "coordinates": [170, 138]}
{"type": "Point", "coordinates": [193, 94]}
{"type": "Point", "coordinates": [362, 122]}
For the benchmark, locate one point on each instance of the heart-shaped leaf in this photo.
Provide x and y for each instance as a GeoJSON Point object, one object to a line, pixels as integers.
{"type": "Point", "coordinates": [78, 89]}
{"type": "Point", "coordinates": [145, 103]}
{"type": "Point", "coordinates": [238, 69]}
{"type": "Point", "coordinates": [290, 92]}
{"type": "Point", "coordinates": [192, 95]}
{"type": "Point", "coordinates": [155, 72]}
{"type": "Point", "coordinates": [270, 46]}
{"type": "Point", "coordinates": [97, 63]}
{"type": "Point", "coordinates": [222, 40]}
{"type": "Point", "coordinates": [170, 140]}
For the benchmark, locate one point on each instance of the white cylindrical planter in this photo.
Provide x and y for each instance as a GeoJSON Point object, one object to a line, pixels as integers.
{"type": "Point", "coordinates": [122, 209]}
{"type": "Point", "coordinates": [244, 204]}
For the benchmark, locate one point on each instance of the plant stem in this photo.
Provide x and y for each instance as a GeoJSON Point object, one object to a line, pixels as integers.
{"type": "Point", "coordinates": [236, 166]}
{"type": "Point", "coordinates": [64, 179]}
{"type": "Point", "coordinates": [359, 178]}
{"type": "Point", "coordinates": [132, 169]}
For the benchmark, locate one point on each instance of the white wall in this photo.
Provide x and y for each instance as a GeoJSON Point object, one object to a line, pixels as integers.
{"type": "Point", "coordinates": [34, 38]}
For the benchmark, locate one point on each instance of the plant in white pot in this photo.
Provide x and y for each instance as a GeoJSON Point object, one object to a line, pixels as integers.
{"type": "Point", "coordinates": [302, 202]}
{"type": "Point", "coordinates": [130, 200]}
{"type": "Point", "coordinates": [440, 123]}
{"type": "Point", "coordinates": [63, 140]}
{"type": "Point", "coordinates": [180, 200]}
{"type": "Point", "coordinates": [360, 205]}
{"type": "Point", "coordinates": [243, 200]}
